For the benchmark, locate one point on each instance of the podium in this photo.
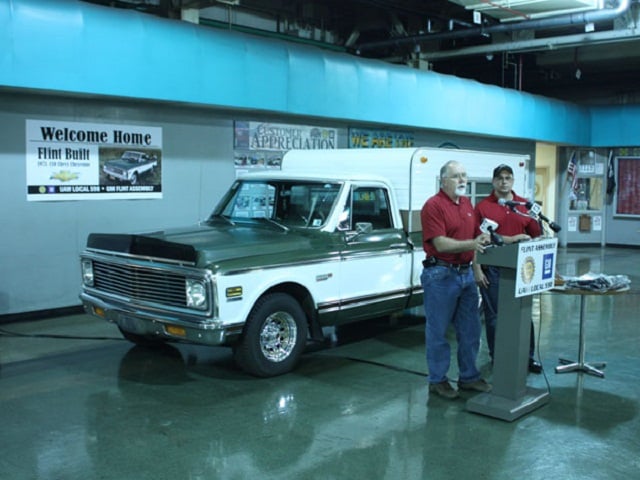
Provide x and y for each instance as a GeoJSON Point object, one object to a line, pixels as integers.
{"type": "Point", "coordinates": [520, 263]}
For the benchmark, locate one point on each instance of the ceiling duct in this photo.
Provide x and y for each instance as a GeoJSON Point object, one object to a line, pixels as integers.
{"type": "Point", "coordinates": [513, 10]}
{"type": "Point", "coordinates": [540, 24]}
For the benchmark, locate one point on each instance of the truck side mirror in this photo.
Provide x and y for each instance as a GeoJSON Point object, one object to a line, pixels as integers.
{"type": "Point", "coordinates": [361, 228]}
{"type": "Point", "coordinates": [364, 227]}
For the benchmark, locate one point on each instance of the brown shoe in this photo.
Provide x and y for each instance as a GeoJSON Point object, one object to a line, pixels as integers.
{"type": "Point", "coordinates": [444, 389]}
{"type": "Point", "coordinates": [477, 386]}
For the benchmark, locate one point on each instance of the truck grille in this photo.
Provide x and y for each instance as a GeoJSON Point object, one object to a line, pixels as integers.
{"type": "Point", "coordinates": [140, 283]}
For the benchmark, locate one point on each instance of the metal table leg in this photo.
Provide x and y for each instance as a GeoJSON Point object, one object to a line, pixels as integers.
{"type": "Point", "coordinates": [581, 366]}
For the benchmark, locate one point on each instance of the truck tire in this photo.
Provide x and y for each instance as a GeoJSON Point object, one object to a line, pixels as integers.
{"type": "Point", "coordinates": [273, 338]}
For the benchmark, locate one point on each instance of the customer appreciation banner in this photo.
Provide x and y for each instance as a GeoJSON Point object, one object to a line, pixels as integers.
{"type": "Point", "coordinates": [92, 161]}
{"type": "Point", "coordinates": [261, 145]}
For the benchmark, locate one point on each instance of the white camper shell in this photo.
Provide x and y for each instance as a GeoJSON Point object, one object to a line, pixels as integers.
{"type": "Point", "coordinates": [413, 173]}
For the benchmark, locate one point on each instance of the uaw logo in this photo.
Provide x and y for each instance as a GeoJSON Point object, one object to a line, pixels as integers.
{"type": "Point", "coordinates": [528, 269]}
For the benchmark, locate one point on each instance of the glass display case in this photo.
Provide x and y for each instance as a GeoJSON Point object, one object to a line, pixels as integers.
{"type": "Point", "coordinates": [582, 201]}
{"type": "Point", "coordinates": [588, 194]}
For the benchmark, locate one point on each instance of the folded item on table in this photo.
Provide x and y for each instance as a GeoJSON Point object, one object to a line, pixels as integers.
{"type": "Point", "coordinates": [597, 282]}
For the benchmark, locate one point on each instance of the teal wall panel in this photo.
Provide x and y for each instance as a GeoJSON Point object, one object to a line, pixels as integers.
{"type": "Point", "coordinates": [616, 126]}
{"type": "Point", "coordinates": [74, 47]}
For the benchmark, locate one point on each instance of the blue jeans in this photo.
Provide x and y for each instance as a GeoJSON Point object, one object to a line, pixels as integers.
{"type": "Point", "coordinates": [451, 297]}
{"type": "Point", "coordinates": [490, 309]}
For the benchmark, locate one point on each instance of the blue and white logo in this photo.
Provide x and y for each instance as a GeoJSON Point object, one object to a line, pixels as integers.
{"type": "Point", "coordinates": [547, 266]}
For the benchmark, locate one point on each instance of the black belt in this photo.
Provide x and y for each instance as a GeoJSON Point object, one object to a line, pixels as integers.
{"type": "Point", "coordinates": [432, 262]}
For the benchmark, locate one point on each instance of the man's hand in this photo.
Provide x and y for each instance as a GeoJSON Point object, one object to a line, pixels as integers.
{"type": "Point", "coordinates": [481, 278]}
{"type": "Point", "coordinates": [521, 237]}
{"type": "Point", "coordinates": [481, 241]}
{"type": "Point", "coordinates": [451, 245]}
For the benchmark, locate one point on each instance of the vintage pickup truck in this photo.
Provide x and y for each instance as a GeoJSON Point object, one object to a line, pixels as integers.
{"type": "Point", "coordinates": [130, 166]}
{"type": "Point", "coordinates": [333, 237]}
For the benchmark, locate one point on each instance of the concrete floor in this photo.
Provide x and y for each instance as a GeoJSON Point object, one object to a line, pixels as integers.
{"type": "Point", "coordinates": [78, 402]}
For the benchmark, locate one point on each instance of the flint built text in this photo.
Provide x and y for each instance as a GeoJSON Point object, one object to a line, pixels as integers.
{"type": "Point", "coordinates": [48, 153]}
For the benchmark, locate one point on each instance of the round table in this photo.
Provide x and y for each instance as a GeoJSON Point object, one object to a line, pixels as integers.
{"type": "Point", "coordinates": [593, 368]}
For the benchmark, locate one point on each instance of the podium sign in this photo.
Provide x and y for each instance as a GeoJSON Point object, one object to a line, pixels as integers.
{"type": "Point", "coordinates": [536, 266]}
{"type": "Point", "coordinates": [526, 268]}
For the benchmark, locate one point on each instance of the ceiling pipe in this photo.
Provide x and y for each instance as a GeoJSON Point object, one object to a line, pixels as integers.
{"type": "Point", "coordinates": [539, 24]}
{"type": "Point", "coordinates": [538, 44]}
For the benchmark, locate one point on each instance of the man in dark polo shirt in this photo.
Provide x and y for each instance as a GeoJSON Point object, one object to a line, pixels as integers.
{"type": "Point", "coordinates": [512, 227]}
{"type": "Point", "coordinates": [450, 292]}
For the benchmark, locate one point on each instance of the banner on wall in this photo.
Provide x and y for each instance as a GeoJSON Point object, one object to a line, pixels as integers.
{"type": "Point", "coordinates": [92, 161]}
{"type": "Point", "coordinates": [627, 198]}
{"type": "Point", "coordinates": [367, 138]}
{"type": "Point", "coordinates": [261, 145]}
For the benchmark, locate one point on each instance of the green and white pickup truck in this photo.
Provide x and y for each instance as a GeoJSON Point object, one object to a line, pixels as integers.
{"type": "Point", "coordinates": [130, 166]}
{"type": "Point", "coordinates": [333, 237]}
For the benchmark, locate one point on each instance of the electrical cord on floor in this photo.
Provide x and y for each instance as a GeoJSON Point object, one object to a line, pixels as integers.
{"type": "Point", "coordinates": [537, 349]}
{"type": "Point", "coordinates": [8, 333]}
{"type": "Point", "coordinates": [386, 365]}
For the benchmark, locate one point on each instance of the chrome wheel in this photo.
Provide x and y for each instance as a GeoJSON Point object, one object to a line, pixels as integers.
{"type": "Point", "coordinates": [278, 336]}
{"type": "Point", "coordinates": [274, 336]}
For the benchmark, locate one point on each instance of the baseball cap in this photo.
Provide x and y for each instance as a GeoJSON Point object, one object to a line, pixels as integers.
{"type": "Point", "coordinates": [501, 168]}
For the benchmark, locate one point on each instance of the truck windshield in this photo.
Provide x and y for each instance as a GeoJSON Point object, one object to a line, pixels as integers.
{"type": "Point", "coordinates": [289, 203]}
{"type": "Point", "coordinates": [131, 157]}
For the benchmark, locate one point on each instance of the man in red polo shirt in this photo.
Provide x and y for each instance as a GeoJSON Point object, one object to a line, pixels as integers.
{"type": "Point", "coordinates": [512, 227]}
{"type": "Point", "coordinates": [450, 292]}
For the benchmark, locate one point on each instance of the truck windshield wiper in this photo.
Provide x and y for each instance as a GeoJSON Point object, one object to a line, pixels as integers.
{"type": "Point", "coordinates": [226, 218]}
{"type": "Point", "coordinates": [272, 222]}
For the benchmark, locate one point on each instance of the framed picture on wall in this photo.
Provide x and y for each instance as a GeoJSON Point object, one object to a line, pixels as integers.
{"type": "Point", "coordinates": [627, 195]}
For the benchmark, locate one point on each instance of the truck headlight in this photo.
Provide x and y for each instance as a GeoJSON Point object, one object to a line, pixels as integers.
{"type": "Point", "coordinates": [196, 294]}
{"type": "Point", "coordinates": [87, 272]}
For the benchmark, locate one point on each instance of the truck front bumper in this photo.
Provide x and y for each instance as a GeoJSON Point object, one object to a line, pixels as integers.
{"type": "Point", "coordinates": [123, 177]}
{"type": "Point", "coordinates": [160, 324]}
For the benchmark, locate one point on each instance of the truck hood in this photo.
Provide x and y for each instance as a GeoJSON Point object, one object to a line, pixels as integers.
{"type": "Point", "coordinates": [206, 244]}
{"type": "Point", "coordinates": [120, 164]}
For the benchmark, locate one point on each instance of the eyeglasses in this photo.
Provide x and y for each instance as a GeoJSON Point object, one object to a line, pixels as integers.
{"type": "Point", "coordinates": [457, 176]}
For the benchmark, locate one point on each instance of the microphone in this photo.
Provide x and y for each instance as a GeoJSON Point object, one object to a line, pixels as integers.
{"type": "Point", "coordinates": [535, 211]}
{"type": "Point", "coordinates": [512, 204]}
{"type": "Point", "coordinates": [552, 225]}
{"type": "Point", "coordinates": [489, 226]}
